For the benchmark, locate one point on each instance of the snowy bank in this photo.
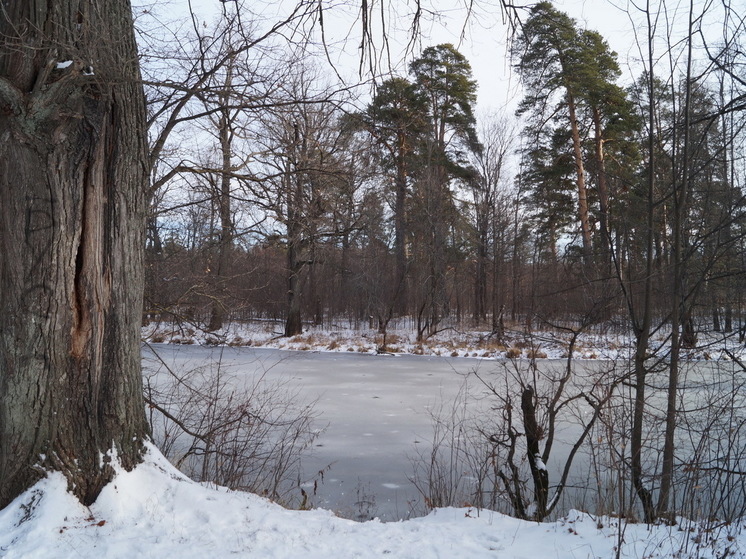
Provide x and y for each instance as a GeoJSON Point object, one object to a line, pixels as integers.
{"type": "Point", "coordinates": [154, 511]}
{"type": "Point", "coordinates": [450, 342]}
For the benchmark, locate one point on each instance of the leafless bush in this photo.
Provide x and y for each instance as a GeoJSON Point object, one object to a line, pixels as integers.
{"type": "Point", "coordinates": [462, 466]}
{"type": "Point", "coordinates": [444, 471]}
{"type": "Point", "coordinates": [492, 447]}
{"type": "Point", "coordinates": [219, 427]}
{"type": "Point", "coordinates": [710, 475]}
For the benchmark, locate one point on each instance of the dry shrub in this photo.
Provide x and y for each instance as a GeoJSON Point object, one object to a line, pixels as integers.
{"type": "Point", "coordinates": [460, 344]}
{"type": "Point", "coordinates": [384, 343]}
{"type": "Point", "coordinates": [230, 429]}
{"type": "Point", "coordinates": [491, 344]}
{"type": "Point", "coordinates": [513, 353]}
{"type": "Point", "coordinates": [536, 354]}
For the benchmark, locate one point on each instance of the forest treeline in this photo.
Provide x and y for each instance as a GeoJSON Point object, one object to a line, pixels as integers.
{"type": "Point", "coordinates": [277, 195]}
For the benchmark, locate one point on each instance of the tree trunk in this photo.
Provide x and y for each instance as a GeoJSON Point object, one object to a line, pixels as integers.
{"type": "Point", "coordinates": [498, 307]}
{"type": "Point", "coordinates": [480, 276]}
{"type": "Point", "coordinates": [642, 321]}
{"type": "Point", "coordinates": [225, 242]}
{"type": "Point", "coordinates": [72, 222]}
{"type": "Point", "coordinates": [680, 309]}
{"type": "Point", "coordinates": [534, 434]}
{"type": "Point", "coordinates": [603, 189]}
{"type": "Point", "coordinates": [400, 229]}
{"type": "Point", "coordinates": [293, 322]}
{"type": "Point", "coordinates": [638, 420]}
{"type": "Point", "coordinates": [585, 225]}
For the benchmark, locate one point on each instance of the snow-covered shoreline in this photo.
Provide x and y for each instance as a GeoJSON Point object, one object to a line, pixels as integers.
{"type": "Point", "coordinates": [450, 342]}
{"type": "Point", "coordinates": [154, 511]}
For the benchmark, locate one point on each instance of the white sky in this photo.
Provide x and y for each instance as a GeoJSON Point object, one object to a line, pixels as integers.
{"type": "Point", "coordinates": [484, 44]}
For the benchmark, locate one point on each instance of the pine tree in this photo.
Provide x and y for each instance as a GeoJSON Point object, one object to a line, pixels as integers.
{"type": "Point", "coordinates": [569, 76]}
{"type": "Point", "coordinates": [396, 119]}
{"type": "Point", "coordinates": [443, 77]}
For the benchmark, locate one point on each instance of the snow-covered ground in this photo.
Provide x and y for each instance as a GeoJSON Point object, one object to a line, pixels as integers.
{"type": "Point", "coordinates": [602, 343]}
{"type": "Point", "coordinates": [154, 511]}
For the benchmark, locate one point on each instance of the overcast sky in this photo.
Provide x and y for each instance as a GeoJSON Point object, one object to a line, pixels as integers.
{"type": "Point", "coordinates": [483, 43]}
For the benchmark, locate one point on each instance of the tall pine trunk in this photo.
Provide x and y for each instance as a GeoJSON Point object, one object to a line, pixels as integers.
{"type": "Point", "coordinates": [603, 190]}
{"type": "Point", "coordinates": [72, 206]}
{"type": "Point", "coordinates": [401, 302]}
{"type": "Point", "coordinates": [585, 226]}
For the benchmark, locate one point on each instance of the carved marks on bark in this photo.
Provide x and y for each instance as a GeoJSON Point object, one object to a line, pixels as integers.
{"type": "Point", "coordinates": [38, 228]}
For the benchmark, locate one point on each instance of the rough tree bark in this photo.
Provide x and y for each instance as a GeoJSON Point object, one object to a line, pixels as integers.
{"type": "Point", "coordinates": [72, 200]}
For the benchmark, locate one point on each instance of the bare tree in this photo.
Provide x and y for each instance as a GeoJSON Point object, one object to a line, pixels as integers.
{"type": "Point", "coordinates": [308, 167]}
{"type": "Point", "coordinates": [546, 395]}
{"type": "Point", "coordinates": [490, 209]}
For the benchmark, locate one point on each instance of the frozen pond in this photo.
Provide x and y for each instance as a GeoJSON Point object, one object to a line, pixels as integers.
{"type": "Point", "coordinates": [376, 409]}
